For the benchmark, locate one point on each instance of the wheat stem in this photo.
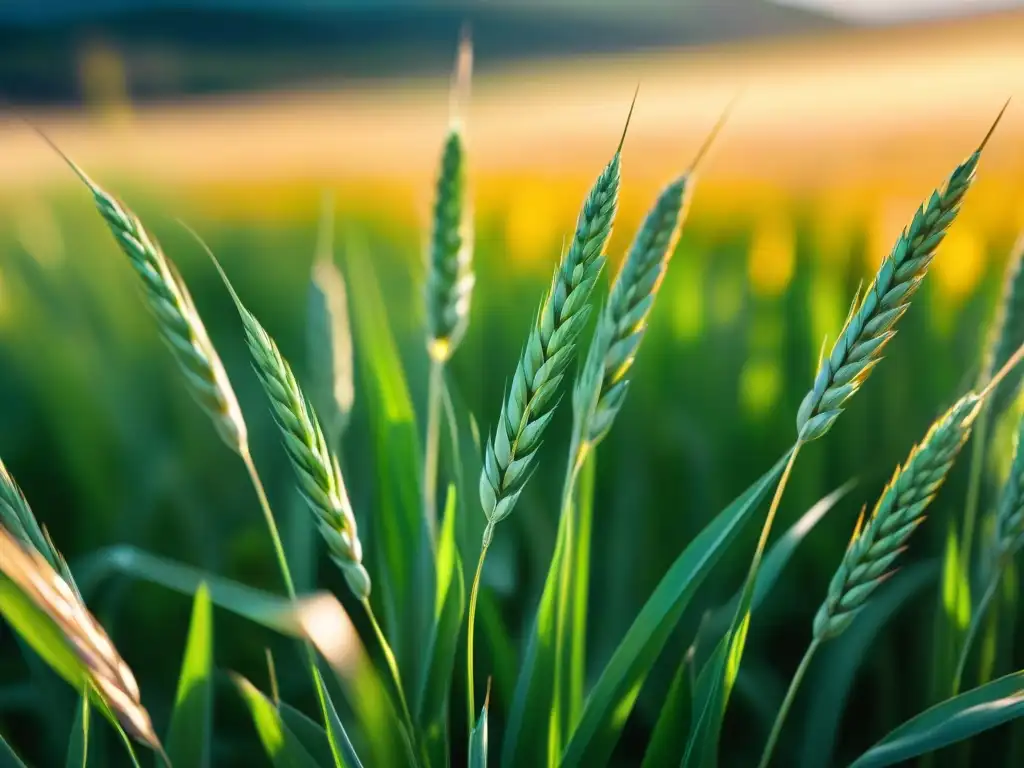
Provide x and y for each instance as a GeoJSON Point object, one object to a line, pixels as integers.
{"type": "Point", "coordinates": [433, 441]}
{"type": "Point", "coordinates": [396, 679]}
{"type": "Point", "coordinates": [471, 620]}
{"type": "Point", "coordinates": [787, 702]}
{"type": "Point", "coordinates": [268, 516]}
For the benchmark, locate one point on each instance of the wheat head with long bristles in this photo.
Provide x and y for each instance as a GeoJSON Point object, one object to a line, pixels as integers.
{"type": "Point", "coordinates": [107, 673]}
{"type": "Point", "coordinates": [877, 543]}
{"type": "Point", "coordinates": [623, 321]}
{"type": "Point", "coordinates": [316, 467]}
{"type": "Point", "coordinates": [176, 315]}
{"type": "Point", "coordinates": [873, 323]}
{"type": "Point", "coordinates": [531, 402]}
{"type": "Point", "coordinates": [450, 277]}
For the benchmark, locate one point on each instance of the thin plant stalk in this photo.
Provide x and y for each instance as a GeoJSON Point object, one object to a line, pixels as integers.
{"type": "Point", "coordinates": [474, 593]}
{"type": "Point", "coordinates": [435, 394]}
{"type": "Point", "coordinates": [787, 702]}
{"type": "Point", "coordinates": [409, 733]}
{"type": "Point", "coordinates": [289, 585]}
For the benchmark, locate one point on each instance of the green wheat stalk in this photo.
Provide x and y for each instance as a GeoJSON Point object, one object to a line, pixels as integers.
{"type": "Point", "coordinates": [877, 543]}
{"type": "Point", "coordinates": [530, 404]}
{"type": "Point", "coordinates": [873, 323]}
{"type": "Point", "coordinates": [450, 279]}
{"type": "Point", "coordinates": [316, 468]}
{"type": "Point", "coordinates": [177, 318]}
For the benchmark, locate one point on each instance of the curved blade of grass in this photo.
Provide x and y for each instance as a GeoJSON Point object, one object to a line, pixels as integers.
{"type": "Point", "coordinates": [282, 746]}
{"type": "Point", "coordinates": [668, 743]}
{"type": "Point", "coordinates": [841, 659]}
{"type": "Point", "coordinates": [775, 561]}
{"type": "Point", "coordinates": [404, 571]}
{"type": "Point", "coordinates": [8, 757]}
{"type": "Point", "coordinates": [952, 721]}
{"type": "Point", "coordinates": [615, 692]}
{"type": "Point", "coordinates": [78, 743]}
{"type": "Point", "coordinates": [191, 731]}
{"type": "Point", "coordinates": [314, 738]}
{"type": "Point", "coordinates": [449, 607]}
{"type": "Point", "coordinates": [668, 740]}
{"type": "Point", "coordinates": [478, 738]}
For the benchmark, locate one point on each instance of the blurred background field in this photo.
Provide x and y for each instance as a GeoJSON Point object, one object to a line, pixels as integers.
{"type": "Point", "coordinates": [235, 117]}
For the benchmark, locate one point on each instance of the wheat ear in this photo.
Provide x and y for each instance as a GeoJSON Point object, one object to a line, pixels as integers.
{"type": "Point", "coordinates": [876, 544]}
{"type": "Point", "coordinates": [316, 468]}
{"type": "Point", "coordinates": [106, 672]}
{"type": "Point", "coordinates": [329, 336]}
{"type": "Point", "coordinates": [623, 321]}
{"type": "Point", "coordinates": [873, 323]}
{"type": "Point", "coordinates": [450, 277]}
{"type": "Point", "coordinates": [531, 402]}
{"type": "Point", "coordinates": [177, 319]}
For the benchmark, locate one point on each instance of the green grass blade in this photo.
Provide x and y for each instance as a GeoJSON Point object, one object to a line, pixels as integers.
{"type": "Point", "coordinates": [403, 571]}
{"type": "Point", "coordinates": [952, 721]}
{"type": "Point", "coordinates": [282, 745]}
{"type": "Point", "coordinates": [952, 616]}
{"type": "Point", "coordinates": [478, 738]}
{"type": "Point", "coordinates": [344, 756]}
{"type": "Point", "coordinates": [615, 692]}
{"type": "Point", "coordinates": [668, 740]}
{"type": "Point", "coordinates": [576, 652]}
{"type": "Point", "coordinates": [431, 706]}
{"type": "Point", "coordinates": [527, 731]}
{"type": "Point", "coordinates": [8, 757]}
{"type": "Point", "coordinates": [313, 737]}
{"type": "Point", "coordinates": [839, 661]}
{"type": "Point", "coordinates": [191, 731]}
{"type": "Point", "coordinates": [78, 743]}
{"type": "Point", "coordinates": [774, 563]}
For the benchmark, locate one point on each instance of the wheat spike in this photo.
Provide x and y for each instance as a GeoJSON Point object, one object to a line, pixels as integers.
{"type": "Point", "coordinates": [1007, 331]}
{"type": "Point", "coordinates": [176, 315]}
{"type": "Point", "coordinates": [106, 671]}
{"type": "Point", "coordinates": [329, 338]}
{"type": "Point", "coordinates": [870, 327]}
{"type": "Point", "coordinates": [531, 402]}
{"type": "Point", "coordinates": [898, 512]}
{"type": "Point", "coordinates": [316, 467]}
{"type": "Point", "coordinates": [450, 277]}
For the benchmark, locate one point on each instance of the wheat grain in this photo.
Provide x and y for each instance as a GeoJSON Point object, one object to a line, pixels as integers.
{"type": "Point", "coordinates": [872, 323]}
{"type": "Point", "coordinates": [450, 278]}
{"type": "Point", "coordinates": [531, 402]}
{"type": "Point", "coordinates": [329, 338]}
{"type": "Point", "coordinates": [316, 467]}
{"type": "Point", "coordinates": [876, 544]}
{"type": "Point", "coordinates": [105, 670]}
{"type": "Point", "coordinates": [177, 319]}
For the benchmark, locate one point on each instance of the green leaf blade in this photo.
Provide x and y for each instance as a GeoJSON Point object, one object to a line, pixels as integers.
{"type": "Point", "coordinates": [282, 746]}
{"type": "Point", "coordinates": [949, 722]}
{"type": "Point", "coordinates": [190, 734]}
{"type": "Point", "coordinates": [618, 686]}
{"type": "Point", "coordinates": [78, 743]}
